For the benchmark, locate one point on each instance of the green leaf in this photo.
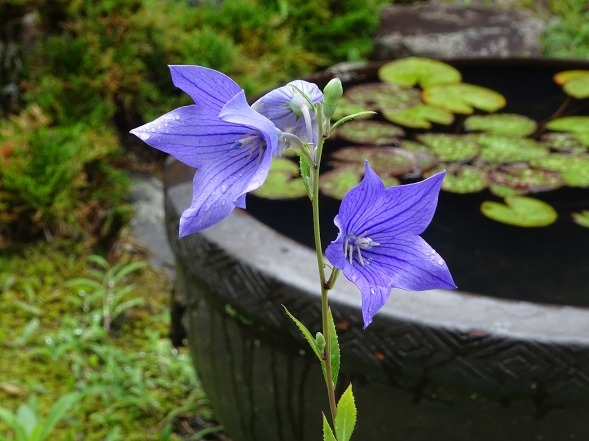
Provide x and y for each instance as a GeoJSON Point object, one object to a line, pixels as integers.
{"type": "Point", "coordinates": [577, 125]}
{"type": "Point", "coordinates": [389, 161]}
{"type": "Point", "coordinates": [327, 432]}
{"type": "Point", "coordinates": [57, 413]}
{"type": "Point", "coordinates": [383, 96]}
{"type": "Point", "coordinates": [310, 339]}
{"type": "Point", "coordinates": [501, 124]}
{"type": "Point", "coordinates": [370, 132]}
{"type": "Point", "coordinates": [463, 179]}
{"type": "Point", "coordinates": [581, 218]}
{"type": "Point", "coordinates": [415, 70]}
{"type": "Point", "coordinates": [333, 348]}
{"type": "Point", "coordinates": [420, 116]}
{"type": "Point", "coordinates": [345, 419]}
{"type": "Point", "coordinates": [523, 179]}
{"type": "Point", "coordinates": [500, 148]}
{"type": "Point", "coordinates": [520, 211]}
{"type": "Point", "coordinates": [463, 98]}
{"type": "Point", "coordinates": [450, 147]}
{"type": "Point", "coordinates": [283, 181]}
{"type": "Point", "coordinates": [13, 422]}
{"type": "Point", "coordinates": [575, 82]}
{"type": "Point", "coordinates": [305, 170]}
{"type": "Point", "coordinates": [336, 183]}
{"type": "Point", "coordinates": [573, 168]}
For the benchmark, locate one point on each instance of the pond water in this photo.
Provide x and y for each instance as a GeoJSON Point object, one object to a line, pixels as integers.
{"type": "Point", "coordinates": [546, 265]}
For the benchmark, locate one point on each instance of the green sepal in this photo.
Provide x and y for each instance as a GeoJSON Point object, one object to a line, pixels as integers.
{"type": "Point", "coordinates": [345, 419]}
{"type": "Point", "coordinates": [312, 342]}
{"type": "Point", "coordinates": [339, 122]}
{"type": "Point", "coordinates": [327, 432]}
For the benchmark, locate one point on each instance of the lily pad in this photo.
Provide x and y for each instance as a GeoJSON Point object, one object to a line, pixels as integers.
{"type": "Point", "coordinates": [463, 98]}
{"type": "Point", "coordinates": [576, 125]}
{"type": "Point", "coordinates": [520, 211]}
{"type": "Point", "coordinates": [575, 82]}
{"type": "Point", "coordinates": [385, 161]}
{"type": "Point", "coordinates": [336, 183]}
{"type": "Point", "coordinates": [450, 148]}
{"type": "Point", "coordinates": [283, 181]}
{"type": "Point", "coordinates": [501, 124]}
{"type": "Point", "coordinates": [581, 218]}
{"type": "Point", "coordinates": [370, 132]}
{"type": "Point", "coordinates": [562, 142]}
{"type": "Point", "coordinates": [502, 190]}
{"type": "Point", "coordinates": [463, 179]}
{"type": "Point", "coordinates": [415, 70]}
{"type": "Point", "coordinates": [381, 96]}
{"type": "Point", "coordinates": [573, 168]}
{"type": "Point", "coordinates": [499, 148]}
{"type": "Point", "coordinates": [420, 116]}
{"type": "Point", "coordinates": [523, 179]}
{"type": "Point", "coordinates": [346, 107]}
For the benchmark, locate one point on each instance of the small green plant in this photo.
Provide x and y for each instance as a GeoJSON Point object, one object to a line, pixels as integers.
{"type": "Point", "coordinates": [27, 424]}
{"type": "Point", "coordinates": [103, 294]}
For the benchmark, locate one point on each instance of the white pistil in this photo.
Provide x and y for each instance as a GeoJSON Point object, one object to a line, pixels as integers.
{"type": "Point", "coordinates": [252, 142]}
{"type": "Point", "coordinates": [358, 243]}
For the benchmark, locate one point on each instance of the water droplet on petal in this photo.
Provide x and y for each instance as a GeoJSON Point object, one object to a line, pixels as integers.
{"type": "Point", "coordinates": [224, 188]}
{"type": "Point", "coordinates": [372, 291]}
{"type": "Point", "coordinates": [144, 136]}
{"type": "Point", "coordinates": [177, 117]}
{"type": "Point", "coordinates": [440, 261]}
{"type": "Point", "coordinates": [153, 130]}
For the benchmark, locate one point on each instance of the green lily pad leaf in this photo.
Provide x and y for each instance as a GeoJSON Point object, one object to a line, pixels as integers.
{"type": "Point", "coordinates": [415, 70]}
{"type": "Point", "coordinates": [450, 148]}
{"type": "Point", "coordinates": [336, 183]}
{"type": "Point", "coordinates": [463, 98]}
{"type": "Point", "coordinates": [346, 107]}
{"type": "Point", "coordinates": [573, 168]}
{"type": "Point", "coordinates": [370, 132]}
{"type": "Point", "coordinates": [385, 161]}
{"type": "Point", "coordinates": [577, 125]}
{"type": "Point", "coordinates": [523, 179]}
{"type": "Point", "coordinates": [462, 179]}
{"type": "Point", "coordinates": [420, 116]}
{"type": "Point", "coordinates": [499, 148]}
{"type": "Point", "coordinates": [575, 82]}
{"type": "Point", "coordinates": [581, 218]}
{"type": "Point", "coordinates": [381, 96]}
{"type": "Point", "coordinates": [562, 142]}
{"type": "Point", "coordinates": [501, 124]}
{"type": "Point", "coordinates": [520, 211]}
{"type": "Point", "coordinates": [283, 181]}
{"type": "Point", "coordinates": [502, 190]}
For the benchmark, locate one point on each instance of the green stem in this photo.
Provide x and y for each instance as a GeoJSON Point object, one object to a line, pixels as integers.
{"type": "Point", "coordinates": [321, 266]}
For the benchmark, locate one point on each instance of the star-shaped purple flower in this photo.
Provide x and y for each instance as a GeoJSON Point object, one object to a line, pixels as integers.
{"type": "Point", "coordinates": [288, 109]}
{"type": "Point", "coordinates": [229, 144]}
{"type": "Point", "coordinates": [378, 246]}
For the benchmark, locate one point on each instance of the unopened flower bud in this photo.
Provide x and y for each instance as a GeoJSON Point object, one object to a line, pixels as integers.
{"type": "Point", "coordinates": [331, 95]}
{"type": "Point", "coordinates": [320, 341]}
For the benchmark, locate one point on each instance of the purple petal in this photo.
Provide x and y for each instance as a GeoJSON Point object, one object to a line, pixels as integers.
{"type": "Point", "coordinates": [191, 135]}
{"type": "Point", "coordinates": [220, 186]}
{"type": "Point", "coordinates": [207, 87]}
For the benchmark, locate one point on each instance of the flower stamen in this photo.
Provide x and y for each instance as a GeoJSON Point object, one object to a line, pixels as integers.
{"type": "Point", "coordinates": [357, 243]}
{"type": "Point", "coordinates": [252, 141]}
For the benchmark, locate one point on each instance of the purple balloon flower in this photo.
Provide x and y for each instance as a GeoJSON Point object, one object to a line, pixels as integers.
{"type": "Point", "coordinates": [378, 246]}
{"type": "Point", "coordinates": [285, 107]}
{"type": "Point", "coordinates": [229, 144]}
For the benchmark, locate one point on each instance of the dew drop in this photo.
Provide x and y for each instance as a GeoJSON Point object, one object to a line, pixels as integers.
{"type": "Point", "coordinates": [144, 136]}
{"type": "Point", "coordinates": [177, 117]}
{"type": "Point", "coordinates": [224, 188]}
{"type": "Point", "coordinates": [372, 291]}
{"type": "Point", "coordinates": [431, 258]}
{"type": "Point", "coordinates": [153, 130]}
{"type": "Point", "coordinates": [440, 261]}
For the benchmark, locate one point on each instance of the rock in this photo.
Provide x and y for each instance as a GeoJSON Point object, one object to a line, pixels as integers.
{"type": "Point", "coordinates": [446, 31]}
{"type": "Point", "coordinates": [148, 223]}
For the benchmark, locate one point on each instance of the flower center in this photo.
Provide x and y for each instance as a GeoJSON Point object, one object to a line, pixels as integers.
{"type": "Point", "coordinates": [254, 142]}
{"type": "Point", "coordinates": [357, 243]}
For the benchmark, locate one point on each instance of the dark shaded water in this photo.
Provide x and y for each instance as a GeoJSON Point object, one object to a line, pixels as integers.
{"type": "Point", "coordinates": [547, 265]}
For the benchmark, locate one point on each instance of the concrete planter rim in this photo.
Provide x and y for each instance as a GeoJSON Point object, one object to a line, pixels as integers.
{"type": "Point", "coordinates": [289, 262]}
